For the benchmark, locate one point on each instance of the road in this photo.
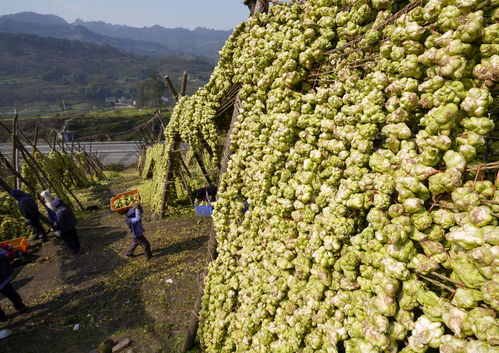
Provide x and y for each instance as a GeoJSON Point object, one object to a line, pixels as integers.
{"type": "Point", "coordinates": [111, 152]}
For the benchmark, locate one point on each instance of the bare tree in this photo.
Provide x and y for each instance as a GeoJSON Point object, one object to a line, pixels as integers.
{"type": "Point", "coordinates": [257, 6]}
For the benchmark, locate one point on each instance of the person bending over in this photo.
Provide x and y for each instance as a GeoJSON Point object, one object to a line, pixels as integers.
{"type": "Point", "coordinates": [66, 224]}
{"type": "Point", "coordinates": [29, 209]}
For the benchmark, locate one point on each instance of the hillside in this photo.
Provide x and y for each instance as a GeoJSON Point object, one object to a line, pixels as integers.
{"type": "Point", "coordinates": [53, 26]}
{"type": "Point", "coordinates": [39, 71]}
{"type": "Point", "coordinates": [154, 40]}
{"type": "Point", "coordinates": [200, 41]}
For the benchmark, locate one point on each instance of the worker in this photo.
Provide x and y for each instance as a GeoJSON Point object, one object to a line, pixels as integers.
{"type": "Point", "coordinates": [133, 219]}
{"type": "Point", "coordinates": [47, 199]}
{"type": "Point", "coordinates": [206, 194]}
{"type": "Point", "coordinates": [29, 210]}
{"type": "Point", "coordinates": [6, 287]}
{"type": "Point", "coordinates": [66, 223]}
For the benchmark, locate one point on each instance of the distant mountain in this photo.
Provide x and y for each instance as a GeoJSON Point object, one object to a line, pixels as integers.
{"type": "Point", "coordinates": [33, 17]}
{"type": "Point", "coordinates": [155, 40]}
{"type": "Point", "coordinates": [201, 41]}
{"type": "Point", "coordinates": [41, 70]}
{"type": "Point", "coordinates": [53, 26]}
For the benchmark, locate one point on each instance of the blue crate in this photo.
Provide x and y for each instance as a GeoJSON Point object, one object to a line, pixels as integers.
{"type": "Point", "coordinates": [202, 210]}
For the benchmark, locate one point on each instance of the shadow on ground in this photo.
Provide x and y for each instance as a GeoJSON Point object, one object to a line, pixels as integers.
{"type": "Point", "coordinates": [107, 294]}
{"type": "Point", "coordinates": [84, 298]}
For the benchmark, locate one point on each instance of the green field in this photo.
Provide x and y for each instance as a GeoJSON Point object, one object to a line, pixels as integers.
{"type": "Point", "coordinates": [39, 73]}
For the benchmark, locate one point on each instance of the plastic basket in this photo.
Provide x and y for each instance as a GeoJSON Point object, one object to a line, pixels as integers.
{"type": "Point", "coordinates": [18, 244]}
{"type": "Point", "coordinates": [204, 210]}
{"type": "Point", "coordinates": [123, 210]}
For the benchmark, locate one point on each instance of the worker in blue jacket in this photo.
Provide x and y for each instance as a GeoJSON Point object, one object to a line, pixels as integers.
{"type": "Point", "coordinates": [133, 219]}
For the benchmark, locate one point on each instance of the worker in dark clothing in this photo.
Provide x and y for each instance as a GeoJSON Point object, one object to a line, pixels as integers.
{"type": "Point", "coordinates": [66, 224]}
{"type": "Point", "coordinates": [206, 194]}
{"type": "Point", "coordinates": [6, 287]}
{"type": "Point", "coordinates": [133, 219]}
{"type": "Point", "coordinates": [29, 210]}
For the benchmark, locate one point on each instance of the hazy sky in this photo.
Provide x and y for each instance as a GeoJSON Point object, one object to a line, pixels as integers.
{"type": "Point", "coordinates": [217, 14]}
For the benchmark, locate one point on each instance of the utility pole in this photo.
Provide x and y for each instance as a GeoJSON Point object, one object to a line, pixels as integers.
{"type": "Point", "coordinates": [15, 151]}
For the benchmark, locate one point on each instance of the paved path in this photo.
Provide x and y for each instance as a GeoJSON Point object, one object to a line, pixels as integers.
{"type": "Point", "coordinates": [111, 152]}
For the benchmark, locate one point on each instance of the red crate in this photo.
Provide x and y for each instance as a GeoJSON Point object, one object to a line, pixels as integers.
{"type": "Point", "coordinates": [19, 244]}
{"type": "Point", "coordinates": [123, 210]}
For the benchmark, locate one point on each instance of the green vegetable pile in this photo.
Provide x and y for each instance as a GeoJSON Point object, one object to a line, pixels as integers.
{"type": "Point", "coordinates": [361, 150]}
{"type": "Point", "coordinates": [125, 201]}
{"type": "Point", "coordinates": [155, 165]}
{"type": "Point", "coordinates": [12, 223]}
{"type": "Point", "coordinates": [63, 170]}
{"type": "Point", "coordinates": [85, 165]}
{"type": "Point", "coordinates": [155, 168]}
{"type": "Point", "coordinates": [66, 167]}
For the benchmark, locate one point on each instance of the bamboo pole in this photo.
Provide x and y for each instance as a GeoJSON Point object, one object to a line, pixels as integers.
{"type": "Point", "coordinates": [169, 172]}
{"type": "Point", "coordinates": [184, 165]}
{"type": "Point", "coordinates": [151, 133]}
{"type": "Point", "coordinates": [203, 169]}
{"type": "Point", "coordinates": [35, 140]}
{"type": "Point", "coordinates": [94, 158]}
{"type": "Point", "coordinates": [90, 158]}
{"type": "Point", "coordinates": [183, 86]}
{"type": "Point", "coordinates": [169, 84]}
{"type": "Point", "coordinates": [257, 6]}
{"type": "Point", "coordinates": [94, 162]}
{"type": "Point", "coordinates": [9, 166]}
{"type": "Point", "coordinates": [37, 166]}
{"type": "Point", "coordinates": [15, 153]}
{"type": "Point", "coordinates": [72, 175]}
{"type": "Point", "coordinates": [160, 117]}
{"type": "Point", "coordinates": [9, 131]}
{"type": "Point", "coordinates": [54, 139]}
{"type": "Point", "coordinates": [161, 134]}
{"type": "Point", "coordinates": [33, 168]}
{"type": "Point", "coordinates": [171, 153]}
{"type": "Point", "coordinates": [47, 142]}
{"type": "Point", "coordinates": [186, 186]}
{"type": "Point", "coordinates": [64, 186]}
{"type": "Point", "coordinates": [7, 188]}
{"type": "Point", "coordinates": [146, 138]}
{"type": "Point", "coordinates": [207, 147]}
{"type": "Point", "coordinates": [42, 172]}
{"type": "Point", "coordinates": [192, 330]}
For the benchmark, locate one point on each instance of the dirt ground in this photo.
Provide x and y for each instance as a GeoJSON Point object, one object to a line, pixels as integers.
{"type": "Point", "coordinates": [105, 293]}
